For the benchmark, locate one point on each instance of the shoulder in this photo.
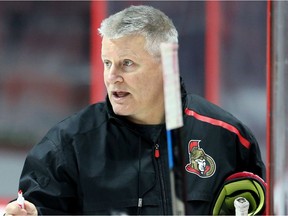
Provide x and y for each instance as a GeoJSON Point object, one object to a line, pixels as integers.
{"type": "Point", "coordinates": [87, 119]}
{"type": "Point", "coordinates": [61, 142]}
{"type": "Point", "coordinates": [200, 106]}
{"type": "Point", "coordinates": [206, 113]}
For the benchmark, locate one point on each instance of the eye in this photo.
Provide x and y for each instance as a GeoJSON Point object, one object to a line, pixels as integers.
{"type": "Point", "coordinates": [107, 64]}
{"type": "Point", "coordinates": [127, 62]}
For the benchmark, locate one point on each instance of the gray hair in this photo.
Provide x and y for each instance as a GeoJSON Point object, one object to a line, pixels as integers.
{"type": "Point", "coordinates": [147, 21]}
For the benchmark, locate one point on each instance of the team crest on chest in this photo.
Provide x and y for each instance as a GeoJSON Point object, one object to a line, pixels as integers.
{"type": "Point", "coordinates": [200, 163]}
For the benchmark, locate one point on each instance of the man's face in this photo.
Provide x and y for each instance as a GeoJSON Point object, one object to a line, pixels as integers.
{"type": "Point", "coordinates": [133, 79]}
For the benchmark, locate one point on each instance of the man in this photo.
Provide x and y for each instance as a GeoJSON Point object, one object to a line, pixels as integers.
{"type": "Point", "coordinates": [111, 157]}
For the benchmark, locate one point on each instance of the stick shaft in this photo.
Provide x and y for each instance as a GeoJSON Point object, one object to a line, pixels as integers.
{"type": "Point", "coordinates": [174, 121]}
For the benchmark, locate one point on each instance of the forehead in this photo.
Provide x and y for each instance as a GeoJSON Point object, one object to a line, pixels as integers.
{"type": "Point", "coordinates": [125, 45]}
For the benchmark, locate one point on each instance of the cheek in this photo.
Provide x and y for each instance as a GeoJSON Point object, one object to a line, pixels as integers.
{"type": "Point", "coordinates": [153, 87]}
{"type": "Point", "coordinates": [156, 81]}
{"type": "Point", "coordinates": [154, 75]}
{"type": "Point", "coordinates": [105, 79]}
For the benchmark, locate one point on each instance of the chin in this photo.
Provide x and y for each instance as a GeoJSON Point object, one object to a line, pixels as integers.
{"type": "Point", "coordinates": [121, 112]}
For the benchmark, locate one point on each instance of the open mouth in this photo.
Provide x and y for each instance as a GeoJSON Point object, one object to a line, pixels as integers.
{"type": "Point", "coordinates": [120, 94]}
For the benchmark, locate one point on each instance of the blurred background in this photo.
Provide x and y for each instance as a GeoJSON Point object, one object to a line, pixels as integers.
{"type": "Point", "coordinates": [45, 66]}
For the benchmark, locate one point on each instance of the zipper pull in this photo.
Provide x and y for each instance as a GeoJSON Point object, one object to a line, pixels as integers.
{"type": "Point", "coordinates": [140, 202]}
{"type": "Point", "coordinates": [157, 152]}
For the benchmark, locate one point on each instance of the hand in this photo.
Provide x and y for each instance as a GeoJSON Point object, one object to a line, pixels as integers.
{"type": "Point", "coordinates": [14, 209]}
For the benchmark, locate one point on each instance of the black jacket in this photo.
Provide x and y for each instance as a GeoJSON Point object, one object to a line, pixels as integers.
{"type": "Point", "coordinates": [95, 162]}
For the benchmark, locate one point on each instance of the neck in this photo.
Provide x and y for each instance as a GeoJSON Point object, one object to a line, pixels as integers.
{"type": "Point", "coordinates": [152, 120]}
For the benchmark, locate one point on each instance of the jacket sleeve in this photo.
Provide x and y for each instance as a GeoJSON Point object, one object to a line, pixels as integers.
{"type": "Point", "coordinates": [46, 179]}
{"type": "Point", "coordinates": [250, 155]}
{"type": "Point", "coordinates": [256, 159]}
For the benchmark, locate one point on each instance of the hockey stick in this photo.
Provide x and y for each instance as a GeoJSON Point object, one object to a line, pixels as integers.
{"type": "Point", "coordinates": [174, 120]}
{"type": "Point", "coordinates": [241, 206]}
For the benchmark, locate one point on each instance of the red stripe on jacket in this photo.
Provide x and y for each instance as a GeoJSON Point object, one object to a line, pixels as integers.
{"type": "Point", "coordinates": [220, 123]}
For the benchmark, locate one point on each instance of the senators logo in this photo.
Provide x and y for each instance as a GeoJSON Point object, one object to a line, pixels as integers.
{"type": "Point", "coordinates": [201, 163]}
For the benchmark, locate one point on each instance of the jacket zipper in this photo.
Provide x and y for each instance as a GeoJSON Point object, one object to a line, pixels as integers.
{"type": "Point", "coordinates": [162, 185]}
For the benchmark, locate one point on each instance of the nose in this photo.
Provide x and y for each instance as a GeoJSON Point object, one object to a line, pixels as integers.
{"type": "Point", "coordinates": [114, 75]}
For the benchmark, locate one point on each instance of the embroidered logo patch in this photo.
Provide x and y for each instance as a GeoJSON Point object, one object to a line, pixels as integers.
{"type": "Point", "coordinates": [201, 163]}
